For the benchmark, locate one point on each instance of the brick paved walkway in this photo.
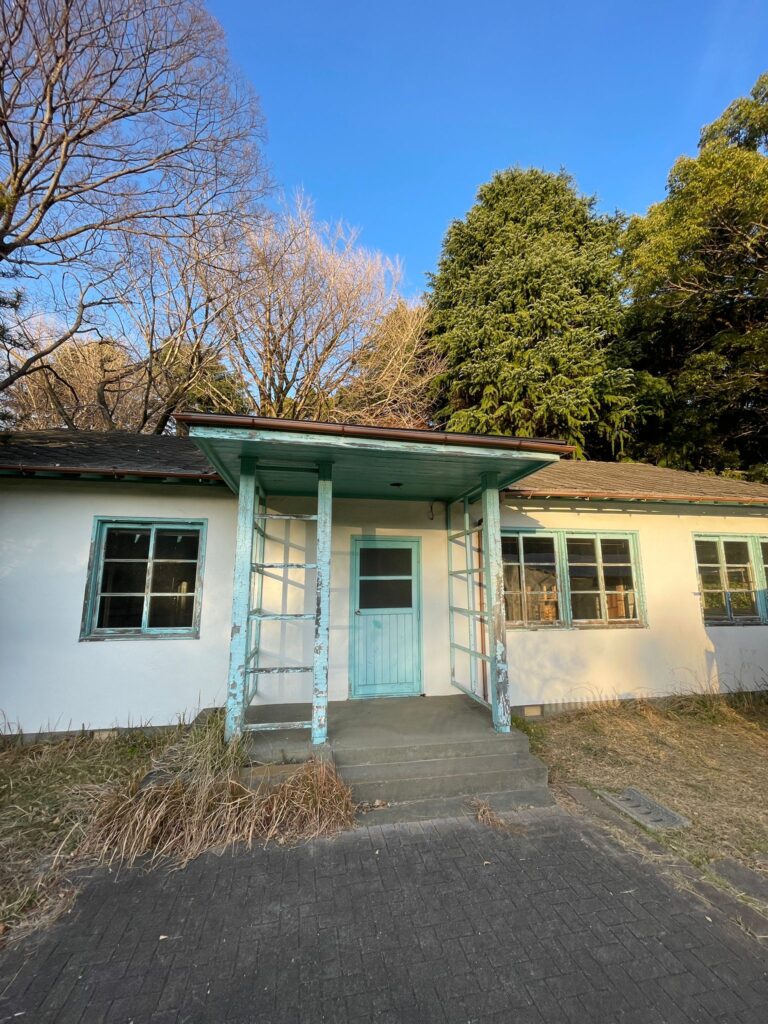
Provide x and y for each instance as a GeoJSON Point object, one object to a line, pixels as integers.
{"type": "Point", "coordinates": [442, 922]}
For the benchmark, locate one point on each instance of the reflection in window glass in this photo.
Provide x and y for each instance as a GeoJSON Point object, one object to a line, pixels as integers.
{"type": "Point", "coordinates": [726, 580]}
{"type": "Point", "coordinates": [530, 580]}
{"type": "Point", "coordinates": [148, 578]}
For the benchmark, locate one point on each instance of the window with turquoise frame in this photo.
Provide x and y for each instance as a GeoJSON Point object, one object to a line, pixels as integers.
{"type": "Point", "coordinates": [145, 579]}
{"type": "Point", "coordinates": [732, 572]}
{"type": "Point", "coordinates": [558, 578]}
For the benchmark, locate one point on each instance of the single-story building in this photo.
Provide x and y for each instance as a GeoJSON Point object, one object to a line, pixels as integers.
{"type": "Point", "coordinates": [263, 563]}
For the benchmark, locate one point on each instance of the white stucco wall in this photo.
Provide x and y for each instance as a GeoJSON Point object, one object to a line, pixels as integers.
{"type": "Point", "coordinates": [675, 652]}
{"type": "Point", "coordinates": [48, 679]}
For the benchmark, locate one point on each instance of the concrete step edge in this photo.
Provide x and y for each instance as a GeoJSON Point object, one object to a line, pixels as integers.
{"type": "Point", "coordinates": [455, 806]}
{"type": "Point", "coordinates": [442, 766]}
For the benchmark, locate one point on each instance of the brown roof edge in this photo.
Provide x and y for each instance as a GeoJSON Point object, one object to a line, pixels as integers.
{"type": "Point", "coordinates": [202, 419]}
{"type": "Point", "coordinates": [115, 471]}
{"type": "Point", "coordinates": [688, 499]}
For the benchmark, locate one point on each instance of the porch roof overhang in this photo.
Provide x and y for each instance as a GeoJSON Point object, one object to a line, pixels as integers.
{"type": "Point", "coordinates": [368, 462]}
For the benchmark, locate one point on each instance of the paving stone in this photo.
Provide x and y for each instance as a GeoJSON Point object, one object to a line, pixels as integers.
{"type": "Point", "coordinates": [432, 923]}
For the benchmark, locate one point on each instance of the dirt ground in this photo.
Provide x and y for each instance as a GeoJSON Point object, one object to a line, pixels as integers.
{"type": "Point", "coordinates": [704, 757]}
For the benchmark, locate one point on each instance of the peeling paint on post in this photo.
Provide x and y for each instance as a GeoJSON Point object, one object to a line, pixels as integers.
{"type": "Point", "coordinates": [323, 605]}
{"type": "Point", "coordinates": [494, 588]}
{"type": "Point", "coordinates": [241, 599]}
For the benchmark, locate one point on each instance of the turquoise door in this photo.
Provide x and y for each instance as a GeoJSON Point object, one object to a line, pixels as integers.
{"type": "Point", "coordinates": [385, 629]}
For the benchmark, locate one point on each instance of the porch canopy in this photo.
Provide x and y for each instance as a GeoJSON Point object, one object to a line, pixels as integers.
{"type": "Point", "coordinates": [259, 456]}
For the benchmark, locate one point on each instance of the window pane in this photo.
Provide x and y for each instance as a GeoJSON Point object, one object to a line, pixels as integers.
{"type": "Point", "coordinates": [710, 579]}
{"type": "Point", "coordinates": [586, 606]}
{"type": "Point", "coordinates": [736, 552]}
{"type": "Point", "coordinates": [706, 552]}
{"type": "Point", "coordinates": [539, 549]}
{"type": "Point", "coordinates": [539, 577]}
{"type": "Point", "coordinates": [764, 547]}
{"type": "Point", "coordinates": [120, 612]}
{"type": "Point", "coordinates": [510, 549]}
{"type": "Point", "coordinates": [714, 604]}
{"type": "Point", "coordinates": [170, 612]}
{"type": "Point", "coordinates": [542, 607]}
{"type": "Point", "coordinates": [617, 577]}
{"type": "Point", "coordinates": [584, 577]}
{"type": "Point", "coordinates": [122, 543]}
{"type": "Point", "coordinates": [385, 561]}
{"type": "Point", "coordinates": [739, 578]}
{"type": "Point", "coordinates": [743, 603]}
{"type": "Point", "coordinates": [177, 544]}
{"type": "Point", "coordinates": [124, 577]}
{"type": "Point", "coordinates": [174, 577]}
{"type": "Point", "coordinates": [580, 550]}
{"type": "Point", "coordinates": [385, 594]}
{"type": "Point", "coordinates": [621, 606]}
{"type": "Point", "coordinates": [512, 577]}
{"type": "Point", "coordinates": [514, 607]}
{"type": "Point", "coordinates": [615, 551]}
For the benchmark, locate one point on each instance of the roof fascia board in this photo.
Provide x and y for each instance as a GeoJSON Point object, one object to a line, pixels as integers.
{"type": "Point", "coordinates": [345, 443]}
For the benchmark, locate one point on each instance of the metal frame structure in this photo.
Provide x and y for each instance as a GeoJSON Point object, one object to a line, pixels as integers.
{"type": "Point", "coordinates": [489, 618]}
{"type": "Point", "coordinates": [248, 613]}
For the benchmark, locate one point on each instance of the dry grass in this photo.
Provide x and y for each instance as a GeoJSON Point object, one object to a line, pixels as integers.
{"type": "Point", "coordinates": [196, 803]}
{"type": "Point", "coordinates": [47, 793]}
{"type": "Point", "coordinates": [82, 800]}
{"type": "Point", "coordinates": [702, 755]}
{"type": "Point", "coordinates": [486, 815]}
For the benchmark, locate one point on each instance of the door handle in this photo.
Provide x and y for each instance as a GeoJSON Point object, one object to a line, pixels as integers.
{"type": "Point", "coordinates": [357, 611]}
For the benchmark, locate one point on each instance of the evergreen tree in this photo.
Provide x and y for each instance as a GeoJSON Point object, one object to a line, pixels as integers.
{"type": "Point", "coordinates": [697, 324]}
{"type": "Point", "coordinates": [525, 306]}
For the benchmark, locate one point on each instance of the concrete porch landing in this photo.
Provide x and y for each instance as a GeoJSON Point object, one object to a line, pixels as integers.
{"type": "Point", "coordinates": [382, 722]}
{"type": "Point", "coordinates": [425, 757]}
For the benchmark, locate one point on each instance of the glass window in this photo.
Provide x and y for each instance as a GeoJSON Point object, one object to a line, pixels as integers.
{"type": "Point", "coordinates": [726, 580]}
{"type": "Point", "coordinates": [146, 579]}
{"type": "Point", "coordinates": [599, 571]}
{"type": "Point", "coordinates": [530, 580]}
{"type": "Point", "coordinates": [602, 579]}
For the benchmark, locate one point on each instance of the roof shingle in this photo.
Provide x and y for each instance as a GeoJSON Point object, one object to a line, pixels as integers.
{"type": "Point", "coordinates": [636, 481]}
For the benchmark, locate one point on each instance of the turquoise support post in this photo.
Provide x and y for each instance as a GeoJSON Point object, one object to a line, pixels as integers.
{"type": "Point", "coordinates": [494, 588]}
{"type": "Point", "coordinates": [323, 606]}
{"type": "Point", "coordinates": [241, 600]}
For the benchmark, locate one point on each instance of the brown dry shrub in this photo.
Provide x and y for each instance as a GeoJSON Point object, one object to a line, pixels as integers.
{"type": "Point", "coordinates": [195, 802]}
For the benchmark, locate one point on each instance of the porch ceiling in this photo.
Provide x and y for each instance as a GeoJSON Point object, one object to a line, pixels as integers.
{"type": "Point", "coordinates": [400, 465]}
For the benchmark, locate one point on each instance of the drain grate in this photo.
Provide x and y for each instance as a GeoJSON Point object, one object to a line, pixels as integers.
{"type": "Point", "coordinates": [643, 809]}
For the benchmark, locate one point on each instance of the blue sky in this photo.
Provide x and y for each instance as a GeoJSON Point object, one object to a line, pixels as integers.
{"type": "Point", "coordinates": [389, 115]}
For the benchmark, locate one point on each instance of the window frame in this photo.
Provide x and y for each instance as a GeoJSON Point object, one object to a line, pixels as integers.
{"type": "Point", "coordinates": [757, 567]}
{"type": "Point", "coordinates": [565, 619]}
{"type": "Point", "coordinates": [560, 621]}
{"type": "Point", "coordinates": [101, 524]}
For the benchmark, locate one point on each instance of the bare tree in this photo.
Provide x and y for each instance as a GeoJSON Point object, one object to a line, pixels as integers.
{"type": "Point", "coordinates": [163, 346]}
{"type": "Point", "coordinates": [115, 114]}
{"type": "Point", "coordinates": [394, 374]}
{"type": "Point", "coordinates": [87, 385]}
{"type": "Point", "coordinates": [313, 300]}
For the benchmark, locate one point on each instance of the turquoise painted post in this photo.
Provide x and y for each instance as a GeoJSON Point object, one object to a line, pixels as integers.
{"type": "Point", "coordinates": [323, 606]}
{"type": "Point", "coordinates": [241, 599]}
{"type": "Point", "coordinates": [494, 588]}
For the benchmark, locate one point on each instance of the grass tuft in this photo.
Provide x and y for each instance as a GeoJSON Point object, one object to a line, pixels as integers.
{"type": "Point", "coordinates": [163, 796]}
{"type": "Point", "coordinates": [196, 802]}
{"type": "Point", "coordinates": [48, 792]}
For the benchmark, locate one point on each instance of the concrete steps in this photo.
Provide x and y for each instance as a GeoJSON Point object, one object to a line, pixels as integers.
{"type": "Point", "coordinates": [454, 806]}
{"type": "Point", "coordinates": [440, 779]}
